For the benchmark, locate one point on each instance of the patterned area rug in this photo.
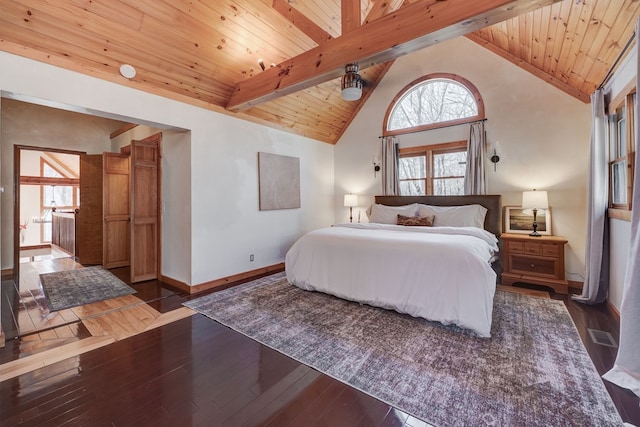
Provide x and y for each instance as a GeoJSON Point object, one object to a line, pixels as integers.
{"type": "Point", "coordinates": [71, 288]}
{"type": "Point", "coordinates": [534, 369]}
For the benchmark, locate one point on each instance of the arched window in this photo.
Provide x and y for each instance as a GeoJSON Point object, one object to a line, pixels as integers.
{"type": "Point", "coordinates": [433, 101]}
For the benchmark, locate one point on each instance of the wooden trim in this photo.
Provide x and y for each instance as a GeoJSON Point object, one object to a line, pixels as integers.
{"type": "Point", "coordinates": [573, 284]}
{"type": "Point", "coordinates": [619, 100]}
{"type": "Point", "coordinates": [122, 130]}
{"type": "Point", "coordinates": [621, 214]}
{"type": "Point", "coordinates": [449, 76]}
{"type": "Point", "coordinates": [232, 280]}
{"type": "Point", "coordinates": [559, 84]}
{"type": "Point", "coordinates": [17, 149]}
{"type": "Point", "coordinates": [614, 310]}
{"type": "Point", "coordinates": [421, 149]}
{"type": "Point", "coordinates": [7, 274]}
{"type": "Point", "coordinates": [43, 246]}
{"type": "Point", "coordinates": [49, 150]}
{"type": "Point", "coordinates": [44, 180]}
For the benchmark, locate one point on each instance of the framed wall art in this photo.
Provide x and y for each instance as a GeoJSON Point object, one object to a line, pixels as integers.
{"type": "Point", "coordinates": [520, 221]}
{"type": "Point", "coordinates": [279, 181]}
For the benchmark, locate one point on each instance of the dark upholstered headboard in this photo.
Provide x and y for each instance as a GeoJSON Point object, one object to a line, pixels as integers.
{"type": "Point", "coordinates": [493, 203]}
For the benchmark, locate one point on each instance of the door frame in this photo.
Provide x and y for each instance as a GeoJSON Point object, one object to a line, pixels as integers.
{"type": "Point", "coordinates": [17, 149]}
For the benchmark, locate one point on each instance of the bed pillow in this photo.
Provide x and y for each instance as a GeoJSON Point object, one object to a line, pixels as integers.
{"type": "Point", "coordinates": [422, 221]}
{"type": "Point", "coordinates": [383, 214]}
{"type": "Point", "coordinates": [455, 216]}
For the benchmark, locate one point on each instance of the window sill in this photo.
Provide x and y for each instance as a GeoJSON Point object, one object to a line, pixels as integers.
{"type": "Point", "coordinates": [621, 214]}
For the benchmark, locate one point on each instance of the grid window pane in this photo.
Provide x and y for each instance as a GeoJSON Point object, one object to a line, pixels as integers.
{"type": "Point", "coordinates": [412, 167]}
{"type": "Point", "coordinates": [619, 183]}
{"type": "Point", "coordinates": [613, 138]}
{"type": "Point", "coordinates": [622, 137]}
{"type": "Point", "coordinates": [449, 164]}
{"type": "Point", "coordinates": [56, 196]}
{"type": "Point", "coordinates": [412, 188]}
{"type": "Point", "coordinates": [448, 187]}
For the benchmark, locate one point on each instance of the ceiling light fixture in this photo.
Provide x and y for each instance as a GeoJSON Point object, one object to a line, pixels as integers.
{"type": "Point", "coordinates": [351, 83]}
{"type": "Point", "coordinates": [127, 71]}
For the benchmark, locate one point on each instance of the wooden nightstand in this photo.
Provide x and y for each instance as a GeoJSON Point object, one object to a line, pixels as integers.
{"type": "Point", "coordinates": [536, 260]}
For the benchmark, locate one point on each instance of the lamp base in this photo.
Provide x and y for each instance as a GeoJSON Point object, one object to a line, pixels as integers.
{"type": "Point", "coordinates": [535, 225]}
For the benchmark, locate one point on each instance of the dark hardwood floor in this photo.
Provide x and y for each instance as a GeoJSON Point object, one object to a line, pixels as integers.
{"type": "Point", "coordinates": [196, 372]}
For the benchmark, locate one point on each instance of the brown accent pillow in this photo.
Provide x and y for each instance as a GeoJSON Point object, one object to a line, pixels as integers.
{"type": "Point", "coordinates": [424, 221]}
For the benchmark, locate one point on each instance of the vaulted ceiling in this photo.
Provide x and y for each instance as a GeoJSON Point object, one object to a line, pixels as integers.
{"type": "Point", "coordinates": [207, 52]}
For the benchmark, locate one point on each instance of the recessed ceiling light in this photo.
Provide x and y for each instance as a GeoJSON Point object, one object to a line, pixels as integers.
{"type": "Point", "coordinates": [127, 71]}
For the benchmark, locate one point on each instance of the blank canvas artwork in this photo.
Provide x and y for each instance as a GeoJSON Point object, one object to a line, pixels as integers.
{"type": "Point", "coordinates": [279, 181]}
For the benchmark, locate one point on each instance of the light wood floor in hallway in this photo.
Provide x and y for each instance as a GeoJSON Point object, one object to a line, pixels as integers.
{"type": "Point", "coordinates": [40, 337]}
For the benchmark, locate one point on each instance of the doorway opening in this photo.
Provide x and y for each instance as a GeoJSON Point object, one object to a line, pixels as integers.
{"type": "Point", "coordinates": [47, 200]}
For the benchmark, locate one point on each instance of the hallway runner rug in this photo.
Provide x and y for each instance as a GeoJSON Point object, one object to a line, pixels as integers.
{"type": "Point", "coordinates": [71, 288]}
{"type": "Point", "coordinates": [534, 370]}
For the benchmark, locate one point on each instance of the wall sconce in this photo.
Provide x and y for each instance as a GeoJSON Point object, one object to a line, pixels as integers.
{"type": "Point", "coordinates": [376, 166]}
{"type": "Point", "coordinates": [350, 200]}
{"type": "Point", "coordinates": [494, 159]}
{"type": "Point", "coordinates": [535, 200]}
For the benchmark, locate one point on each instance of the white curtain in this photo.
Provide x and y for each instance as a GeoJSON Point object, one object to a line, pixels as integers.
{"type": "Point", "coordinates": [626, 370]}
{"type": "Point", "coordinates": [596, 282]}
{"type": "Point", "coordinates": [390, 185]}
{"type": "Point", "coordinates": [474, 180]}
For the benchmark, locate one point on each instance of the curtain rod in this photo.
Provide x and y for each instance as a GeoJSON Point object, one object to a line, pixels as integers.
{"type": "Point", "coordinates": [441, 127]}
{"type": "Point", "coordinates": [615, 63]}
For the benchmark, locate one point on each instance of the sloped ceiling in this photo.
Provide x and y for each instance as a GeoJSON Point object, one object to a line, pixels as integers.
{"type": "Point", "coordinates": [207, 52]}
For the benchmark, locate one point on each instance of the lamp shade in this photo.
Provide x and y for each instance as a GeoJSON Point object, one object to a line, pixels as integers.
{"type": "Point", "coordinates": [535, 200]}
{"type": "Point", "coordinates": [351, 200]}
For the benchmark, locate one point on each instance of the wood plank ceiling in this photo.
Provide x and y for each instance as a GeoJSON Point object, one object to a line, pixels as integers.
{"type": "Point", "coordinates": [207, 52]}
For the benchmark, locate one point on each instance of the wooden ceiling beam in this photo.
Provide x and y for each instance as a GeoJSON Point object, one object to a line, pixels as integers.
{"type": "Point", "coordinates": [554, 81]}
{"type": "Point", "coordinates": [378, 10]}
{"type": "Point", "coordinates": [350, 15]}
{"type": "Point", "coordinates": [301, 22]}
{"type": "Point", "coordinates": [410, 28]}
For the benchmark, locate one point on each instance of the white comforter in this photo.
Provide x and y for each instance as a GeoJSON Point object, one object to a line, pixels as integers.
{"type": "Point", "coordinates": [438, 273]}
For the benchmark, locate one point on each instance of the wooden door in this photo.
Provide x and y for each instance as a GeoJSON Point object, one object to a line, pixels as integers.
{"type": "Point", "coordinates": [89, 218]}
{"type": "Point", "coordinates": [117, 210]}
{"type": "Point", "coordinates": [145, 208]}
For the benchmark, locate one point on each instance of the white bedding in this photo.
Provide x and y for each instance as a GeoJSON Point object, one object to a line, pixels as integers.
{"type": "Point", "coordinates": [438, 273]}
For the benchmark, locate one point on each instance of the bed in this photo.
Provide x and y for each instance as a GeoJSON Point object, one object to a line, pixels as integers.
{"type": "Point", "coordinates": [441, 272]}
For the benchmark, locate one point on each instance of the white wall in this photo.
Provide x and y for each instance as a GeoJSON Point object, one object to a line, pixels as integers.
{"type": "Point", "coordinates": [620, 231]}
{"type": "Point", "coordinates": [540, 133]}
{"type": "Point", "coordinates": [223, 224]}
